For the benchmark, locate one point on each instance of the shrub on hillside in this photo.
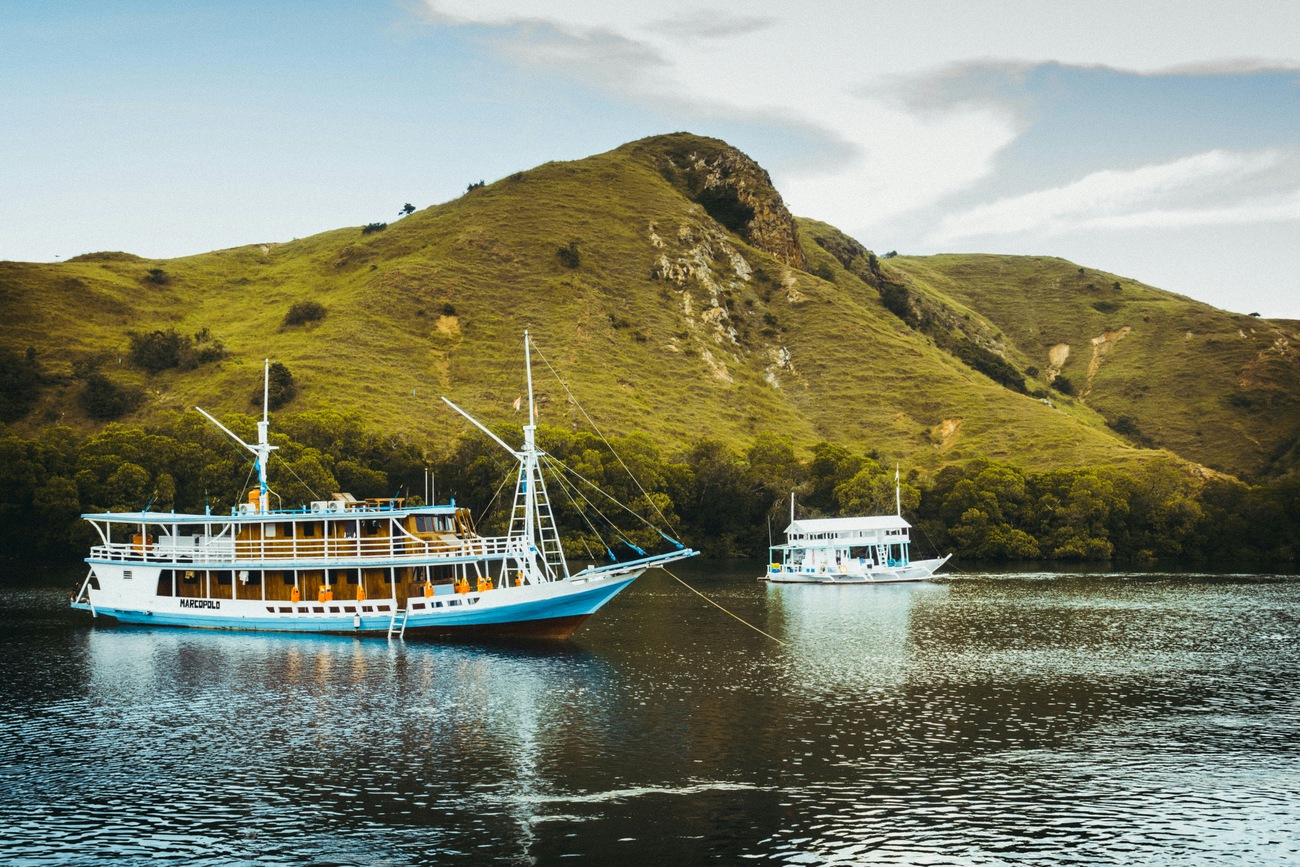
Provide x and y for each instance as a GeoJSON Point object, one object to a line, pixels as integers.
{"type": "Point", "coordinates": [20, 383]}
{"type": "Point", "coordinates": [992, 365]}
{"type": "Point", "coordinates": [1063, 385]}
{"type": "Point", "coordinates": [371, 228]}
{"type": "Point", "coordinates": [723, 205]}
{"type": "Point", "coordinates": [897, 300]}
{"type": "Point", "coordinates": [569, 255]}
{"type": "Point", "coordinates": [160, 350]}
{"type": "Point", "coordinates": [157, 276]}
{"type": "Point", "coordinates": [105, 400]}
{"type": "Point", "coordinates": [304, 311]}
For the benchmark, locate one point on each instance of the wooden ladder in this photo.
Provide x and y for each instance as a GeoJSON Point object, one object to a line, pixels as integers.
{"type": "Point", "coordinates": [397, 626]}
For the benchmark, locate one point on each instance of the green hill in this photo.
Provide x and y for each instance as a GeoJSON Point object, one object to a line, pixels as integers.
{"type": "Point", "coordinates": [668, 285]}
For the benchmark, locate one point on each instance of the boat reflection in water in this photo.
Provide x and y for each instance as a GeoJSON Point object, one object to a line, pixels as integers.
{"type": "Point", "coordinates": [444, 747]}
{"type": "Point", "coordinates": [850, 637]}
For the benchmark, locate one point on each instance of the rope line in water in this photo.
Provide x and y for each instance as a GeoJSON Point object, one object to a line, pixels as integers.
{"type": "Point", "coordinates": [720, 608]}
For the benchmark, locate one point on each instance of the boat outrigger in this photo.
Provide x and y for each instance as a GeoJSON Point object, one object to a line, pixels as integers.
{"type": "Point", "coordinates": [357, 567]}
{"type": "Point", "coordinates": [868, 550]}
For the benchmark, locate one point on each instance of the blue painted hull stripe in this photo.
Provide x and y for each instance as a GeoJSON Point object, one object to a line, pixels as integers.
{"type": "Point", "coordinates": [578, 604]}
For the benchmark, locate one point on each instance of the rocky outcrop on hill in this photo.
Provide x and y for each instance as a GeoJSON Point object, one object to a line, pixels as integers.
{"type": "Point", "coordinates": [736, 191]}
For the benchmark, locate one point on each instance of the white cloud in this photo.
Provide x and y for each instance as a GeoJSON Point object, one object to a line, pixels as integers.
{"type": "Point", "coordinates": [769, 67]}
{"type": "Point", "coordinates": [1203, 189]}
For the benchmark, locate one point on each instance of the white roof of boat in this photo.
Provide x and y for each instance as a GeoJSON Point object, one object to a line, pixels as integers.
{"type": "Point", "coordinates": [846, 525]}
{"type": "Point", "coordinates": [253, 517]}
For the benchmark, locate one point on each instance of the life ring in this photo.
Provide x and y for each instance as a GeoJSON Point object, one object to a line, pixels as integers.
{"type": "Point", "coordinates": [843, 569]}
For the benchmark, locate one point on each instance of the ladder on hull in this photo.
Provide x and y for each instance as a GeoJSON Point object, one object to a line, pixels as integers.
{"type": "Point", "coordinates": [397, 626]}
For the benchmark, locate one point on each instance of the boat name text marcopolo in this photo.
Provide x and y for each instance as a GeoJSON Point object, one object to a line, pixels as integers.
{"type": "Point", "coordinates": [200, 603]}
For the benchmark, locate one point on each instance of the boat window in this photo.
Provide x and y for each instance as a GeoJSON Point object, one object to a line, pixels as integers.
{"type": "Point", "coordinates": [424, 523]}
{"type": "Point", "coordinates": [309, 529]}
{"type": "Point", "coordinates": [284, 609]}
{"type": "Point", "coordinates": [268, 530]}
{"type": "Point", "coordinates": [318, 609]}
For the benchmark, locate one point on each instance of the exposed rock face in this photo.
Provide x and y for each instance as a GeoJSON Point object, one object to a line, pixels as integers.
{"type": "Point", "coordinates": [735, 190]}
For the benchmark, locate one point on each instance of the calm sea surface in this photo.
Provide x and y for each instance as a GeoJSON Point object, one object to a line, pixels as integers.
{"type": "Point", "coordinates": [1031, 718]}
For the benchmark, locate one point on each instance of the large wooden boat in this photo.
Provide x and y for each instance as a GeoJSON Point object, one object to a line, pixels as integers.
{"type": "Point", "coordinates": [368, 567]}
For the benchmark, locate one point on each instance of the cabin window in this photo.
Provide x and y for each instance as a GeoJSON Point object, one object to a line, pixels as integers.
{"type": "Point", "coordinates": [268, 530]}
{"type": "Point", "coordinates": [424, 523]}
{"type": "Point", "coordinates": [371, 527]}
{"type": "Point", "coordinates": [223, 579]}
{"type": "Point", "coordinates": [309, 529]}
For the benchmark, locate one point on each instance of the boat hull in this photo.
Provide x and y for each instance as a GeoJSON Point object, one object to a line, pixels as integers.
{"type": "Point", "coordinates": [552, 610]}
{"type": "Point", "coordinates": [920, 570]}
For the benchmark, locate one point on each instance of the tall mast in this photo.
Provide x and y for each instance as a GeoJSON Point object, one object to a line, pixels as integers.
{"type": "Point", "coordinates": [530, 453]}
{"type": "Point", "coordinates": [532, 517]}
{"type": "Point", "coordinates": [263, 447]}
{"type": "Point", "coordinates": [261, 451]}
{"type": "Point", "coordinates": [898, 492]}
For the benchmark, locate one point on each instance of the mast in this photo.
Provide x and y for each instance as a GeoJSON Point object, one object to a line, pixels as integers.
{"type": "Point", "coordinates": [530, 454]}
{"type": "Point", "coordinates": [532, 519]}
{"type": "Point", "coordinates": [261, 451]}
{"type": "Point", "coordinates": [898, 492]}
{"type": "Point", "coordinates": [264, 450]}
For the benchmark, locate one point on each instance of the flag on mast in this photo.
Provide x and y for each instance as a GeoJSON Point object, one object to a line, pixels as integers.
{"type": "Point", "coordinates": [518, 401]}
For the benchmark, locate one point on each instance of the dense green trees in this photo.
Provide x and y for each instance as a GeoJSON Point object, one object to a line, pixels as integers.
{"type": "Point", "coordinates": [724, 502]}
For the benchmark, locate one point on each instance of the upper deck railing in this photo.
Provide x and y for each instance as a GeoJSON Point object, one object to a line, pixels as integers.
{"type": "Point", "coordinates": [288, 553]}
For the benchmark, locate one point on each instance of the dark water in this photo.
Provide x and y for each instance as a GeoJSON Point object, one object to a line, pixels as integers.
{"type": "Point", "coordinates": [990, 719]}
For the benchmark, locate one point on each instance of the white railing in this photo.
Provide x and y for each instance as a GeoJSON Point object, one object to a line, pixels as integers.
{"type": "Point", "coordinates": [331, 551]}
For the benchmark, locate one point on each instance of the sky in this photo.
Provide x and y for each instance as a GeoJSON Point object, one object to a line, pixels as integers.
{"type": "Point", "coordinates": [1156, 140]}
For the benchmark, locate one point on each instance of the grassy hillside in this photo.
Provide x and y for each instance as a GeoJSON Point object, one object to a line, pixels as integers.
{"type": "Point", "coordinates": [667, 284]}
{"type": "Point", "coordinates": [1215, 387]}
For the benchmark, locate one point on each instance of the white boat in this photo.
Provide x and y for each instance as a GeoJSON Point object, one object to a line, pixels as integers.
{"type": "Point", "coordinates": [868, 550]}
{"type": "Point", "coordinates": [372, 567]}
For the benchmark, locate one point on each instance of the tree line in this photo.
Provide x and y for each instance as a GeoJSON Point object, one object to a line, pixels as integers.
{"type": "Point", "coordinates": [723, 501]}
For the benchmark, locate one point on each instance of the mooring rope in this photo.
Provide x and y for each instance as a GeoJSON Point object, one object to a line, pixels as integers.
{"type": "Point", "coordinates": [721, 608]}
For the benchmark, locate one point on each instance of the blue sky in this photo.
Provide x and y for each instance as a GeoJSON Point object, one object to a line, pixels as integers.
{"type": "Point", "coordinates": [1158, 140]}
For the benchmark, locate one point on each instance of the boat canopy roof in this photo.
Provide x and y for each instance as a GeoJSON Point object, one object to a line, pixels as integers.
{"type": "Point", "coordinates": [359, 511]}
{"type": "Point", "coordinates": [844, 526]}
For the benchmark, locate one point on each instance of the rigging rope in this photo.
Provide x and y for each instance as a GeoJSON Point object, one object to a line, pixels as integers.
{"type": "Point", "coordinates": [721, 608]}
{"type": "Point", "coordinates": [600, 434]}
